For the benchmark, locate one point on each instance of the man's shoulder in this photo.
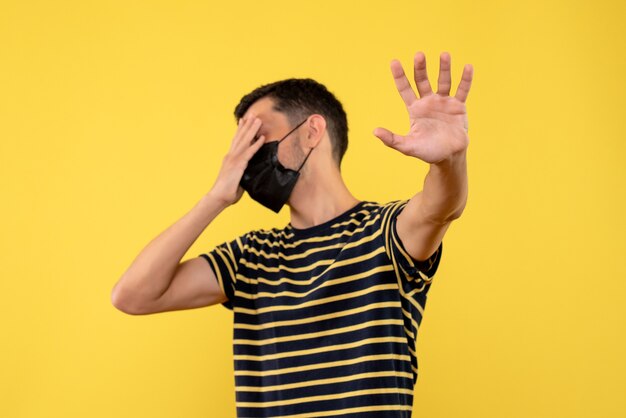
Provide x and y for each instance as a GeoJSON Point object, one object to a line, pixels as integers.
{"type": "Point", "coordinates": [382, 207]}
{"type": "Point", "coordinates": [379, 215]}
{"type": "Point", "coordinates": [259, 235]}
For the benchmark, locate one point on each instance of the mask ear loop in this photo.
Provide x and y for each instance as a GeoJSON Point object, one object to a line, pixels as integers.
{"type": "Point", "coordinates": [307, 157]}
{"type": "Point", "coordinates": [290, 132]}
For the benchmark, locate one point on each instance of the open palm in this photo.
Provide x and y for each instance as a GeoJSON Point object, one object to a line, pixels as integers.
{"type": "Point", "coordinates": [438, 122]}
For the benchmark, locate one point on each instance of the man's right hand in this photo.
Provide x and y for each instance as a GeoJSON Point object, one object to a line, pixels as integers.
{"type": "Point", "coordinates": [243, 147]}
{"type": "Point", "coordinates": [157, 280]}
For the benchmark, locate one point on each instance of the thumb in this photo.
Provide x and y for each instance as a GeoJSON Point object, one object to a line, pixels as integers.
{"type": "Point", "coordinates": [385, 135]}
{"type": "Point", "coordinates": [256, 145]}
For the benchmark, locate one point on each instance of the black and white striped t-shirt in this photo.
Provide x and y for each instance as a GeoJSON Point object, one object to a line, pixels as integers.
{"type": "Point", "coordinates": [325, 318]}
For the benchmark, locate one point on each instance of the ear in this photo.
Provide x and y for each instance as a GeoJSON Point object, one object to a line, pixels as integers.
{"type": "Point", "coordinates": [315, 130]}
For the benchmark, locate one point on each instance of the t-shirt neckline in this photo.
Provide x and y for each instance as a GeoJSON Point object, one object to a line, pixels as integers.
{"type": "Point", "coordinates": [298, 232]}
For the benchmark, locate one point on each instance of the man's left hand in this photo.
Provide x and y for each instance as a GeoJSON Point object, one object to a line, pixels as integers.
{"type": "Point", "coordinates": [438, 122]}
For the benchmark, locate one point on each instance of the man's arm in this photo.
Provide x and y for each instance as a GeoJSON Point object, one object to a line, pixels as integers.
{"type": "Point", "coordinates": [438, 136]}
{"type": "Point", "coordinates": [426, 218]}
{"type": "Point", "coordinates": [157, 281]}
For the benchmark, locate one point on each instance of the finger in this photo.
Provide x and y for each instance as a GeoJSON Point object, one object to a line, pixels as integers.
{"type": "Point", "coordinates": [402, 83]}
{"type": "Point", "coordinates": [254, 147]}
{"type": "Point", "coordinates": [466, 82]}
{"type": "Point", "coordinates": [247, 123]}
{"type": "Point", "coordinates": [251, 132]}
{"type": "Point", "coordinates": [420, 75]}
{"type": "Point", "coordinates": [246, 132]}
{"type": "Point", "coordinates": [390, 139]}
{"type": "Point", "coordinates": [234, 141]}
{"type": "Point", "coordinates": [444, 82]}
{"type": "Point", "coordinates": [251, 125]}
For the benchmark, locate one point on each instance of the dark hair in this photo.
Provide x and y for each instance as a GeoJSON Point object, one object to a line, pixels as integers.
{"type": "Point", "coordinates": [298, 98]}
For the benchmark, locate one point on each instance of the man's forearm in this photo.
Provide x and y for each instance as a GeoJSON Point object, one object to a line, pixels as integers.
{"type": "Point", "coordinates": [445, 189]}
{"type": "Point", "coordinates": [150, 274]}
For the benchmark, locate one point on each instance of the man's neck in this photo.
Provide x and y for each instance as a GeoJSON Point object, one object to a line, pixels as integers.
{"type": "Point", "coordinates": [315, 202]}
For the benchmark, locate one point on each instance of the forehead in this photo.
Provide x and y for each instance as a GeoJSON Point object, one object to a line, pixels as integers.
{"type": "Point", "coordinates": [264, 110]}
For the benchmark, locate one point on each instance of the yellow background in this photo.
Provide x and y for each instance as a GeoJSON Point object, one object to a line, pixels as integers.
{"type": "Point", "coordinates": [115, 117]}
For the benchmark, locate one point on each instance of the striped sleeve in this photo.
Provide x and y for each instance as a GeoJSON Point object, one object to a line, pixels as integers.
{"type": "Point", "coordinates": [224, 260]}
{"type": "Point", "coordinates": [415, 275]}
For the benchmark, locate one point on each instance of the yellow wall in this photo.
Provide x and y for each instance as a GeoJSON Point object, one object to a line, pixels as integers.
{"type": "Point", "coordinates": [114, 117]}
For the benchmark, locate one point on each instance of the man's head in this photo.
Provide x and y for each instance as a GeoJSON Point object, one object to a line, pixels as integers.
{"type": "Point", "coordinates": [299, 98]}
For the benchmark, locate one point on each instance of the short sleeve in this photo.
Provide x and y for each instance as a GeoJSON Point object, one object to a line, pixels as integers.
{"type": "Point", "coordinates": [224, 260]}
{"type": "Point", "coordinates": [415, 275]}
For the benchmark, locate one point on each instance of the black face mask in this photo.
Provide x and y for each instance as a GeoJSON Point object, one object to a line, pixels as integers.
{"type": "Point", "coordinates": [266, 180]}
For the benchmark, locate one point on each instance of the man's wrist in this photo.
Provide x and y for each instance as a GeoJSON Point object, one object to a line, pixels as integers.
{"type": "Point", "coordinates": [215, 201]}
{"type": "Point", "coordinates": [452, 160]}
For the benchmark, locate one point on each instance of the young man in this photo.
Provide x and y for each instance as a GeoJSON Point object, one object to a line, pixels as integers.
{"type": "Point", "coordinates": [326, 309]}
